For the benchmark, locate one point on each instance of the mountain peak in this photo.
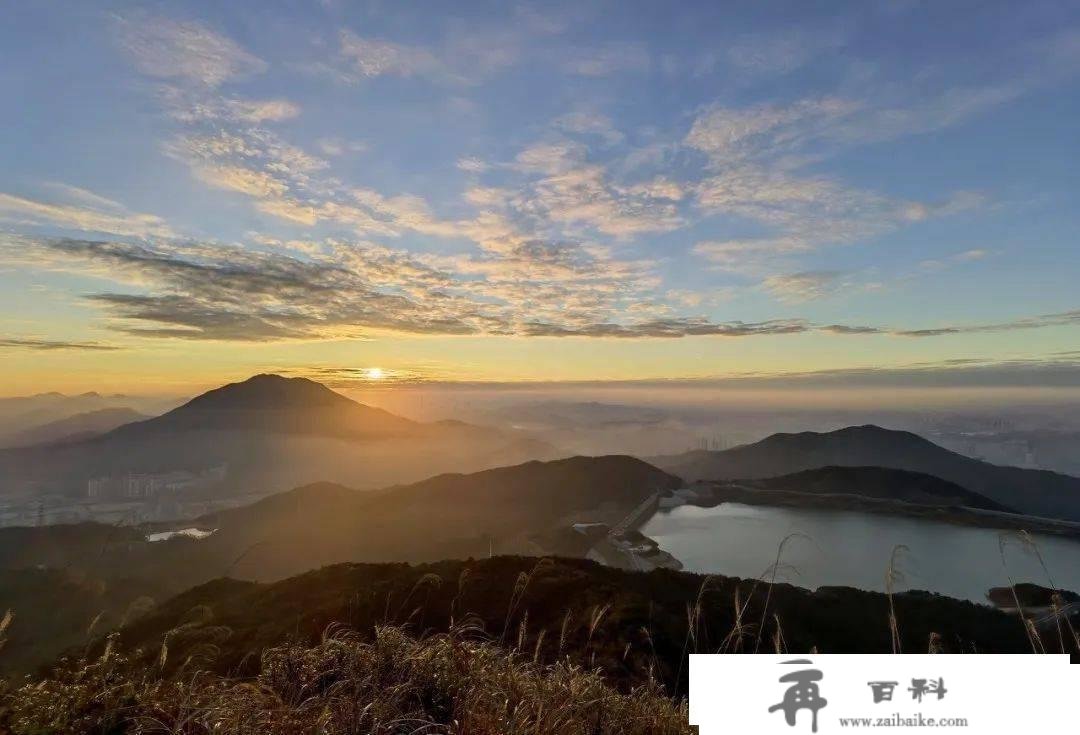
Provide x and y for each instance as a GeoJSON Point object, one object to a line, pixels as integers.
{"type": "Point", "coordinates": [268, 391]}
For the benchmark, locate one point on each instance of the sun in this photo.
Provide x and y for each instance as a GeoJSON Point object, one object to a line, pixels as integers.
{"type": "Point", "coordinates": [374, 373]}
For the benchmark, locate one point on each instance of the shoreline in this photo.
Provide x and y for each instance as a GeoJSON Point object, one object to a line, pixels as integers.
{"type": "Point", "coordinates": [709, 495]}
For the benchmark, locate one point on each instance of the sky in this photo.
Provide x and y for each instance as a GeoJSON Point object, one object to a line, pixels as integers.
{"type": "Point", "coordinates": [411, 193]}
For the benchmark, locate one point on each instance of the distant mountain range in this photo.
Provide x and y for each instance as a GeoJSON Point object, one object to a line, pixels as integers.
{"type": "Point", "coordinates": [22, 415]}
{"type": "Point", "coordinates": [74, 428]}
{"type": "Point", "coordinates": [1034, 492]}
{"type": "Point", "coordinates": [272, 433]}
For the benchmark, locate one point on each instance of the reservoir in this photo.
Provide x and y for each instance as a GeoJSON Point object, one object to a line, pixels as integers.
{"type": "Point", "coordinates": [853, 549]}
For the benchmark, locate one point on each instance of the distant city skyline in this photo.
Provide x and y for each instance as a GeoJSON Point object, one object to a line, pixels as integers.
{"type": "Point", "coordinates": [864, 194]}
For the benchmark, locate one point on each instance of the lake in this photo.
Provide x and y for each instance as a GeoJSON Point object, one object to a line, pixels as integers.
{"type": "Point", "coordinates": [853, 549]}
{"type": "Point", "coordinates": [195, 533]}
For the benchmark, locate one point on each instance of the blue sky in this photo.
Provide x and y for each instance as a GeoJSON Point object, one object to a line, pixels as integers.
{"type": "Point", "coordinates": [533, 191]}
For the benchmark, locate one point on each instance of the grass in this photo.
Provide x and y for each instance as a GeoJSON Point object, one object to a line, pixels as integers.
{"type": "Point", "coordinates": [394, 684]}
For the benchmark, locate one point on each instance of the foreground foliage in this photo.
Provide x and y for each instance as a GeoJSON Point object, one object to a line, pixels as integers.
{"type": "Point", "coordinates": [450, 683]}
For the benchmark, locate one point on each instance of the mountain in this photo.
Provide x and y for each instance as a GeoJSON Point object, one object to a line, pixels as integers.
{"type": "Point", "coordinates": [274, 404]}
{"type": "Point", "coordinates": [448, 516]}
{"type": "Point", "coordinates": [1034, 492]}
{"type": "Point", "coordinates": [880, 483]}
{"type": "Point", "coordinates": [77, 427]}
{"type": "Point", "coordinates": [269, 433]}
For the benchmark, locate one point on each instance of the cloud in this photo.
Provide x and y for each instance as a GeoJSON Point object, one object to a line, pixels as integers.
{"type": "Point", "coordinates": [606, 60]}
{"type": "Point", "coordinates": [472, 165]}
{"type": "Point", "coordinates": [1059, 319]}
{"type": "Point", "coordinates": [247, 181]}
{"type": "Point", "coordinates": [374, 57]}
{"type": "Point", "coordinates": [588, 123]}
{"type": "Point", "coordinates": [771, 54]}
{"type": "Point", "coordinates": [573, 191]}
{"type": "Point", "coordinates": [187, 51]}
{"type": "Point", "coordinates": [339, 147]}
{"type": "Point", "coordinates": [583, 195]}
{"type": "Point", "coordinates": [85, 197]}
{"type": "Point", "coordinates": [253, 161]}
{"type": "Point", "coordinates": [756, 159]}
{"type": "Point", "coordinates": [730, 135]}
{"type": "Point", "coordinates": [1050, 371]}
{"type": "Point", "coordinates": [846, 329]}
{"type": "Point", "coordinates": [460, 58]}
{"type": "Point", "coordinates": [47, 345]}
{"type": "Point", "coordinates": [551, 158]}
{"type": "Point", "coordinates": [30, 212]}
{"type": "Point", "coordinates": [668, 328]}
{"type": "Point", "coordinates": [968, 256]}
{"type": "Point", "coordinates": [206, 291]}
{"type": "Point", "coordinates": [196, 107]}
{"type": "Point", "coordinates": [749, 257]}
{"type": "Point", "coordinates": [659, 187]}
{"type": "Point", "coordinates": [804, 286]}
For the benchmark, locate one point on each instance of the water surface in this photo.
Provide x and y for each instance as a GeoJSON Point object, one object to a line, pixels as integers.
{"type": "Point", "coordinates": [195, 533]}
{"type": "Point", "coordinates": [853, 549]}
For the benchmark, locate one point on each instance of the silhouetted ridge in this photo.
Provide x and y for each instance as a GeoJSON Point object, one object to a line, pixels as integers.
{"type": "Point", "coordinates": [1035, 492]}
{"type": "Point", "coordinates": [882, 483]}
{"type": "Point", "coordinates": [272, 403]}
{"type": "Point", "coordinates": [267, 391]}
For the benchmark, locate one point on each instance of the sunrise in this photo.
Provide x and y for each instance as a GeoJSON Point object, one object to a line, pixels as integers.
{"type": "Point", "coordinates": [674, 292]}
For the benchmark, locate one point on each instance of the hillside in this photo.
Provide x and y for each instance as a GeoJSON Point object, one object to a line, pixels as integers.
{"type": "Point", "coordinates": [1035, 492]}
{"type": "Point", "coordinates": [553, 604]}
{"type": "Point", "coordinates": [450, 516]}
{"type": "Point", "coordinates": [453, 515]}
{"type": "Point", "coordinates": [505, 645]}
{"type": "Point", "coordinates": [393, 683]}
{"type": "Point", "coordinates": [270, 433]}
{"type": "Point", "coordinates": [880, 483]}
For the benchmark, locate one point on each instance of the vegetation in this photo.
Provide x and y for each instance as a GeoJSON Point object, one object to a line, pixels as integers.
{"type": "Point", "coordinates": [635, 626]}
{"type": "Point", "coordinates": [503, 645]}
{"type": "Point", "coordinates": [393, 683]}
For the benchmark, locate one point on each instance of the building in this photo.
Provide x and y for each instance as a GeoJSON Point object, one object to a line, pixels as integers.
{"type": "Point", "coordinates": [144, 486]}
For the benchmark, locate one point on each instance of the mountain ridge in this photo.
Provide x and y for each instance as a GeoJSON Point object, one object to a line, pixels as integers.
{"type": "Point", "coordinates": [78, 427]}
{"type": "Point", "coordinates": [1030, 491]}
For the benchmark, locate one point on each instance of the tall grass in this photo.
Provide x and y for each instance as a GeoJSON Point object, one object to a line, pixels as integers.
{"type": "Point", "coordinates": [394, 684]}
